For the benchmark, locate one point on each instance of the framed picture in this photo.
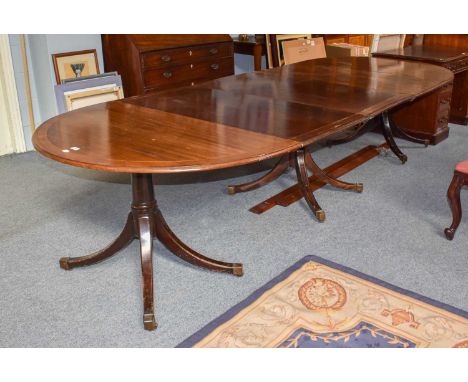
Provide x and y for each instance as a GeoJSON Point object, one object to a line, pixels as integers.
{"type": "Point", "coordinates": [75, 94]}
{"type": "Point", "coordinates": [75, 64]}
{"type": "Point", "coordinates": [76, 99]}
{"type": "Point", "coordinates": [277, 47]}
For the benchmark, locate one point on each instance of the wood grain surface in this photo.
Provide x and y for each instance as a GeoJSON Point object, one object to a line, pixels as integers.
{"type": "Point", "coordinates": [234, 120]}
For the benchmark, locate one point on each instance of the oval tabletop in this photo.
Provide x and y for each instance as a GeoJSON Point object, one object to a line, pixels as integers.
{"type": "Point", "coordinates": [234, 120]}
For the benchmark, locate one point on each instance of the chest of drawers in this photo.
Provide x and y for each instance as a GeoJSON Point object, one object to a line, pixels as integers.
{"type": "Point", "coordinates": [148, 63]}
{"type": "Point", "coordinates": [430, 119]}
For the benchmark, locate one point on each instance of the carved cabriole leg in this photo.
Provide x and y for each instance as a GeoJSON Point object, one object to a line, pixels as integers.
{"type": "Point", "coordinates": [406, 136]}
{"type": "Point", "coordinates": [303, 180]}
{"type": "Point", "coordinates": [126, 237]}
{"type": "Point", "coordinates": [319, 173]}
{"type": "Point", "coordinates": [453, 196]}
{"type": "Point", "coordinates": [387, 132]}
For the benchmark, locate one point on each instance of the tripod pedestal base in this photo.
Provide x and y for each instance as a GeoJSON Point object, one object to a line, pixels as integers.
{"type": "Point", "coordinates": [146, 223]}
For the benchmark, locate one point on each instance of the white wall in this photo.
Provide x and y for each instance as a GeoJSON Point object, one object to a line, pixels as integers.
{"type": "Point", "coordinates": [40, 48]}
{"type": "Point", "coordinates": [18, 68]}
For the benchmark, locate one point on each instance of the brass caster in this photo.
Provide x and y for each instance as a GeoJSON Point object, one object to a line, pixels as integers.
{"type": "Point", "coordinates": [149, 322]}
{"type": "Point", "coordinates": [359, 187]}
{"type": "Point", "coordinates": [64, 263]}
{"type": "Point", "coordinates": [320, 215]}
{"type": "Point", "coordinates": [238, 270]}
{"type": "Point", "coordinates": [403, 159]}
{"type": "Point", "coordinates": [426, 142]}
{"type": "Point", "coordinates": [231, 190]}
{"type": "Point", "coordinates": [449, 233]}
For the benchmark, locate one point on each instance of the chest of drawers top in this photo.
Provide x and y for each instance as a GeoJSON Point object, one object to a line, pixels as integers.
{"type": "Point", "coordinates": [150, 63]}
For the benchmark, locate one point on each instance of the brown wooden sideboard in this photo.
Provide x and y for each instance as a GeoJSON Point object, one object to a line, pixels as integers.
{"type": "Point", "coordinates": [148, 63]}
{"type": "Point", "coordinates": [429, 117]}
{"type": "Point", "coordinates": [459, 106]}
{"type": "Point", "coordinates": [426, 117]}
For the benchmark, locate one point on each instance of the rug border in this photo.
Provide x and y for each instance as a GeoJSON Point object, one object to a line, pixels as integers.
{"type": "Point", "coordinates": [230, 313]}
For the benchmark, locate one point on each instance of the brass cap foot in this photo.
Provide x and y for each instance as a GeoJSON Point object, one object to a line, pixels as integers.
{"type": "Point", "coordinates": [238, 270]}
{"type": "Point", "coordinates": [426, 142]}
{"type": "Point", "coordinates": [231, 190]}
{"type": "Point", "coordinates": [449, 233]}
{"type": "Point", "coordinates": [320, 215]}
{"type": "Point", "coordinates": [64, 263]}
{"type": "Point", "coordinates": [403, 159]}
{"type": "Point", "coordinates": [359, 187]}
{"type": "Point", "coordinates": [149, 322]}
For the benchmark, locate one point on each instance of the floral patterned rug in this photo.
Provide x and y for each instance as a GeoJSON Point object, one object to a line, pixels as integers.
{"type": "Point", "coordinates": [317, 303]}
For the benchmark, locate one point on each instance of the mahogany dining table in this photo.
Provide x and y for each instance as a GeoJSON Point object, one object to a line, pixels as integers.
{"type": "Point", "coordinates": [227, 122]}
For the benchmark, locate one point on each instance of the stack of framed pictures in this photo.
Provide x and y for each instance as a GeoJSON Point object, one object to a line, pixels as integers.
{"type": "Point", "coordinates": [274, 46]}
{"type": "Point", "coordinates": [79, 82]}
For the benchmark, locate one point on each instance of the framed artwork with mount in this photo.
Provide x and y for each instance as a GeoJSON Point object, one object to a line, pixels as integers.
{"type": "Point", "coordinates": [75, 64]}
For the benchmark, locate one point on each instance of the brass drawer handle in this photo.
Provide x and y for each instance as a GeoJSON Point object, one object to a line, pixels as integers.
{"type": "Point", "coordinates": [213, 51]}
{"type": "Point", "coordinates": [166, 58]}
{"type": "Point", "coordinates": [445, 101]}
{"type": "Point", "coordinates": [215, 66]}
{"type": "Point", "coordinates": [167, 74]}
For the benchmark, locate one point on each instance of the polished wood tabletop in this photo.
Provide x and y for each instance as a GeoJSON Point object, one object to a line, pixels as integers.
{"type": "Point", "coordinates": [428, 53]}
{"type": "Point", "coordinates": [234, 120]}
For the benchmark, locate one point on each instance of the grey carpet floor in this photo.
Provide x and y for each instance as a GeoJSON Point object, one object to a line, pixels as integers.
{"type": "Point", "coordinates": [392, 231]}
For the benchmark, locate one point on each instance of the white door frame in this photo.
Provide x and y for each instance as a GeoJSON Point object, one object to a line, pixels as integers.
{"type": "Point", "coordinates": [10, 117]}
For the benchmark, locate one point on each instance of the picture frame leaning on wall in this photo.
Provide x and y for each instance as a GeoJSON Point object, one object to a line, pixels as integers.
{"type": "Point", "coordinates": [76, 94]}
{"type": "Point", "coordinates": [75, 64]}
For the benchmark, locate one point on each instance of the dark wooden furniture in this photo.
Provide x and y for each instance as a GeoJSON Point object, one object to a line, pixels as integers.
{"type": "Point", "coordinates": [459, 108]}
{"type": "Point", "coordinates": [149, 63]}
{"type": "Point", "coordinates": [460, 179]}
{"type": "Point", "coordinates": [223, 123]}
{"type": "Point", "coordinates": [294, 193]}
{"type": "Point", "coordinates": [254, 46]}
{"type": "Point", "coordinates": [357, 39]}
{"type": "Point", "coordinates": [429, 119]}
{"type": "Point", "coordinates": [453, 40]}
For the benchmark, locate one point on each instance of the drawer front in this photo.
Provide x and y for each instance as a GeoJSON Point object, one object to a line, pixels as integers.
{"type": "Point", "coordinates": [187, 73]}
{"type": "Point", "coordinates": [174, 85]}
{"type": "Point", "coordinates": [173, 57]}
{"type": "Point", "coordinates": [443, 111]}
{"type": "Point", "coordinates": [445, 96]}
